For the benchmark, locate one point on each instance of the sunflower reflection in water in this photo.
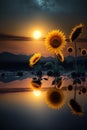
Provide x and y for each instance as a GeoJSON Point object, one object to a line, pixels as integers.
{"type": "Point", "coordinates": [84, 52]}
{"type": "Point", "coordinates": [35, 85]}
{"type": "Point", "coordinates": [55, 98]}
{"type": "Point", "coordinates": [75, 107]}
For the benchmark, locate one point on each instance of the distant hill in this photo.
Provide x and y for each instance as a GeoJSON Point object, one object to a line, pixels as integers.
{"type": "Point", "coordinates": [9, 60]}
{"type": "Point", "coordinates": [9, 57]}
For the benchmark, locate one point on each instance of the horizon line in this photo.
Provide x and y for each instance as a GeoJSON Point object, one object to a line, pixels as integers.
{"type": "Point", "coordinates": [9, 37]}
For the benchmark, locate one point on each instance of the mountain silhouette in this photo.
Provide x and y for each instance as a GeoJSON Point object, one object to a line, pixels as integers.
{"type": "Point", "coordinates": [9, 60]}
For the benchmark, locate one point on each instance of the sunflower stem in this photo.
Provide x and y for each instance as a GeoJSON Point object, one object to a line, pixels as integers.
{"type": "Point", "coordinates": [75, 69]}
{"type": "Point", "coordinates": [75, 92]}
{"type": "Point", "coordinates": [55, 69]}
{"type": "Point", "coordinates": [75, 56]}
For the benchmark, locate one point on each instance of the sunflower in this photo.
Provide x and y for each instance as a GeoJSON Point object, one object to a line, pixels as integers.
{"type": "Point", "coordinates": [35, 85]}
{"type": "Point", "coordinates": [70, 87]}
{"type": "Point", "coordinates": [70, 49]}
{"type": "Point", "coordinates": [34, 59]}
{"type": "Point", "coordinates": [76, 32]}
{"type": "Point", "coordinates": [55, 41]}
{"type": "Point", "coordinates": [84, 90]}
{"type": "Point", "coordinates": [75, 107]}
{"type": "Point", "coordinates": [83, 52]}
{"type": "Point", "coordinates": [59, 84]}
{"type": "Point", "coordinates": [60, 56]}
{"type": "Point", "coordinates": [55, 98]}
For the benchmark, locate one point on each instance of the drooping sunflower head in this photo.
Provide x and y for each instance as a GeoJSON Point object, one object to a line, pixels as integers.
{"type": "Point", "coordinates": [55, 41]}
{"type": "Point", "coordinates": [75, 107]}
{"type": "Point", "coordinates": [70, 49]}
{"type": "Point", "coordinates": [59, 84]}
{"type": "Point", "coordinates": [70, 87]}
{"type": "Point", "coordinates": [60, 56]}
{"type": "Point", "coordinates": [83, 52]}
{"type": "Point", "coordinates": [34, 59]}
{"type": "Point", "coordinates": [76, 32]}
{"type": "Point", "coordinates": [35, 85]}
{"type": "Point", "coordinates": [55, 98]}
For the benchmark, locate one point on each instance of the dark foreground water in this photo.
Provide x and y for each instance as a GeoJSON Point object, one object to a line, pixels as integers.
{"type": "Point", "coordinates": [21, 108]}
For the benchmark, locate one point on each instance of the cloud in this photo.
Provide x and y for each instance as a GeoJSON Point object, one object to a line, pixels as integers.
{"type": "Point", "coordinates": [14, 90]}
{"type": "Point", "coordinates": [7, 37]}
{"type": "Point", "coordinates": [33, 6]}
{"type": "Point", "coordinates": [16, 15]}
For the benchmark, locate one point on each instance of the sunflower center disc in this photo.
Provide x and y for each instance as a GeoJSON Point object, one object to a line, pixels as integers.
{"type": "Point", "coordinates": [70, 49]}
{"type": "Point", "coordinates": [55, 97]}
{"type": "Point", "coordinates": [84, 52]}
{"type": "Point", "coordinates": [55, 43]}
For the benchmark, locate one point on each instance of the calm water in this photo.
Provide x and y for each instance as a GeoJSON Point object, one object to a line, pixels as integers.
{"type": "Point", "coordinates": [23, 110]}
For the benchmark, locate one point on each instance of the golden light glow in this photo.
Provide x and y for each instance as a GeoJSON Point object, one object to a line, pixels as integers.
{"type": "Point", "coordinates": [37, 34]}
{"type": "Point", "coordinates": [37, 93]}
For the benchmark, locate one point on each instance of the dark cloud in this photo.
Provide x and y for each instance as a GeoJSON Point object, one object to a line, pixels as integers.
{"type": "Point", "coordinates": [61, 13]}
{"type": "Point", "coordinates": [33, 6]}
{"type": "Point", "coordinates": [7, 37]}
{"type": "Point", "coordinates": [14, 90]}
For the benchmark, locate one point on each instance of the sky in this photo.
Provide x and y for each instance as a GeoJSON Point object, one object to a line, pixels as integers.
{"type": "Point", "coordinates": [22, 17]}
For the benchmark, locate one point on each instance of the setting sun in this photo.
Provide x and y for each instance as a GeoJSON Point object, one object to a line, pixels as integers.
{"type": "Point", "coordinates": [37, 93]}
{"type": "Point", "coordinates": [37, 34]}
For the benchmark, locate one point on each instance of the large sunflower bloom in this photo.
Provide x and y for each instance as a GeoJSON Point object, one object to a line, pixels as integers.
{"type": "Point", "coordinates": [55, 98]}
{"type": "Point", "coordinates": [35, 85]}
{"type": "Point", "coordinates": [83, 52]}
{"type": "Point", "coordinates": [34, 59]}
{"type": "Point", "coordinates": [76, 32]}
{"type": "Point", "coordinates": [60, 56]}
{"type": "Point", "coordinates": [75, 107]}
{"type": "Point", "coordinates": [55, 41]}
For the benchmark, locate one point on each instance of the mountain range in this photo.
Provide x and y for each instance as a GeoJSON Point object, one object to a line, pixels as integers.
{"type": "Point", "coordinates": [8, 60]}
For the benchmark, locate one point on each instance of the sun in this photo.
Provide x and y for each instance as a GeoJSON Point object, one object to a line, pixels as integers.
{"type": "Point", "coordinates": [37, 93]}
{"type": "Point", "coordinates": [37, 34]}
